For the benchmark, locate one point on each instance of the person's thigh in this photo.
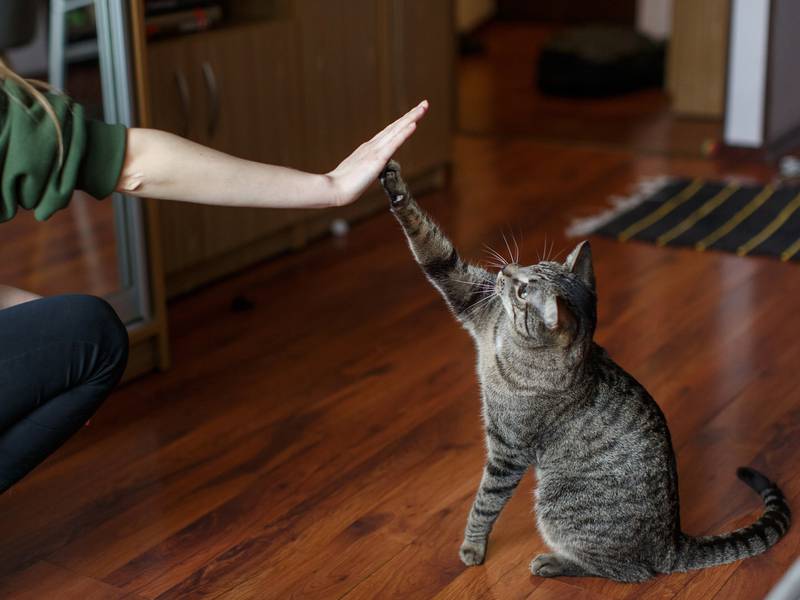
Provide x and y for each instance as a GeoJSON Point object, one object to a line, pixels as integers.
{"type": "Point", "coordinates": [54, 345]}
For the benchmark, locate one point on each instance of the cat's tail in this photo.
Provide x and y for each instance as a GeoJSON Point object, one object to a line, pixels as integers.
{"type": "Point", "coordinates": [702, 552]}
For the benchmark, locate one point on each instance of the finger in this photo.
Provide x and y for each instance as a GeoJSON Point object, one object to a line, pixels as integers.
{"type": "Point", "coordinates": [396, 138]}
{"type": "Point", "coordinates": [415, 114]}
{"type": "Point", "coordinates": [412, 116]}
{"type": "Point", "coordinates": [391, 138]}
{"type": "Point", "coordinates": [391, 145]}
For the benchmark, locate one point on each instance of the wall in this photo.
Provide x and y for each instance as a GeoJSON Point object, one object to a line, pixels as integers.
{"type": "Point", "coordinates": [747, 73]}
{"type": "Point", "coordinates": [783, 95]}
{"type": "Point", "coordinates": [654, 18]}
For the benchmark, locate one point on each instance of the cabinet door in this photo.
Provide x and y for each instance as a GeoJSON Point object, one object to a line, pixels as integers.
{"type": "Point", "coordinates": [339, 45]}
{"type": "Point", "coordinates": [172, 101]}
{"type": "Point", "coordinates": [249, 87]}
{"type": "Point", "coordinates": [697, 57]}
{"type": "Point", "coordinates": [243, 100]}
{"type": "Point", "coordinates": [422, 51]}
{"type": "Point", "coordinates": [174, 108]}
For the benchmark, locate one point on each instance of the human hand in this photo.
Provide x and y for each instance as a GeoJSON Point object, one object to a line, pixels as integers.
{"type": "Point", "coordinates": [356, 172]}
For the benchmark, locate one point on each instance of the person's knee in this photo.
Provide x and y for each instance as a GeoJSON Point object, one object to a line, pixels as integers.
{"type": "Point", "coordinates": [98, 319]}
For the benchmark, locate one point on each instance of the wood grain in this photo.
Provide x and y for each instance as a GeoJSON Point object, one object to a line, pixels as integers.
{"type": "Point", "coordinates": [697, 62]}
{"type": "Point", "coordinates": [45, 580]}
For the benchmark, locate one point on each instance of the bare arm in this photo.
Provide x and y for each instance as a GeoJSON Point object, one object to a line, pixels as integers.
{"type": "Point", "coordinates": [165, 166]}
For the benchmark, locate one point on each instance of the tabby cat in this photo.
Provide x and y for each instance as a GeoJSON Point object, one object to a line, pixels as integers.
{"type": "Point", "coordinates": [607, 497]}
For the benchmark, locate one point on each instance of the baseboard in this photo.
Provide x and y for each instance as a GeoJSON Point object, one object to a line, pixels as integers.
{"type": "Point", "coordinates": [785, 144]}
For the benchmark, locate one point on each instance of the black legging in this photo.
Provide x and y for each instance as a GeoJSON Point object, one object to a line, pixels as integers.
{"type": "Point", "coordinates": [59, 359]}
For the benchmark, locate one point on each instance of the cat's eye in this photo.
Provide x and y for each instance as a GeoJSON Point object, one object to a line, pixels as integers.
{"type": "Point", "coordinates": [522, 291]}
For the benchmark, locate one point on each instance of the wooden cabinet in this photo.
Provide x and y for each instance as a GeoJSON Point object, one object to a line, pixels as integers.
{"type": "Point", "coordinates": [339, 44]}
{"type": "Point", "coordinates": [302, 89]}
{"type": "Point", "coordinates": [696, 63]}
{"type": "Point", "coordinates": [423, 66]}
{"type": "Point", "coordinates": [218, 89]}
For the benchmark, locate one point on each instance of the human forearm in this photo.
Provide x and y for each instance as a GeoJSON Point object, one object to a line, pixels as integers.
{"type": "Point", "coordinates": [165, 166]}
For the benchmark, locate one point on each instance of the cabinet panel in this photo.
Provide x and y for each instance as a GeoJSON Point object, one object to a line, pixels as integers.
{"type": "Point", "coordinates": [243, 89]}
{"type": "Point", "coordinates": [173, 105]}
{"type": "Point", "coordinates": [250, 88]}
{"type": "Point", "coordinates": [423, 62]}
{"type": "Point", "coordinates": [339, 43]}
{"type": "Point", "coordinates": [697, 58]}
{"type": "Point", "coordinates": [173, 108]}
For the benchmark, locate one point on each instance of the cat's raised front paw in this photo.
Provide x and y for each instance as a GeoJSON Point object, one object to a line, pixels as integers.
{"type": "Point", "coordinates": [393, 184]}
{"type": "Point", "coordinates": [472, 553]}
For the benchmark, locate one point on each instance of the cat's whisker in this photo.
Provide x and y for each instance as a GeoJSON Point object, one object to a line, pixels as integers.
{"type": "Point", "coordinates": [510, 253]}
{"type": "Point", "coordinates": [486, 293]}
{"type": "Point", "coordinates": [492, 252]}
{"type": "Point", "coordinates": [484, 285]}
{"type": "Point", "coordinates": [516, 247]}
{"type": "Point", "coordinates": [493, 264]}
{"type": "Point", "coordinates": [548, 248]}
{"type": "Point", "coordinates": [479, 305]}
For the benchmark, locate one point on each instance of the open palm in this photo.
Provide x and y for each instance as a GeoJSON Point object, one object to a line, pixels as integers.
{"type": "Point", "coordinates": [356, 172]}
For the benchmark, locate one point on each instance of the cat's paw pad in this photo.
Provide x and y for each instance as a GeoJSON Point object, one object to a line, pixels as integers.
{"type": "Point", "coordinates": [546, 565]}
{"type": "Point", "coordinates": [472, 553]}
{"type": "Point", "coordinates": [393, 184]}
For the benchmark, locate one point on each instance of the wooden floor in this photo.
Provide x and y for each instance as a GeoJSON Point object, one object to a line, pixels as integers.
{"type": "Point", "coordinates": [502, 100]}
{"type": "Point", "coordinates": [327, 443]}
{"type": "Point", "coordinates": [73, 251]}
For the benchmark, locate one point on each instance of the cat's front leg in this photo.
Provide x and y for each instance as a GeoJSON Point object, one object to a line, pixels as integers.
{"type": "Point", "coordinates": [501, 475]}
{"type": "Point", "coordinates": [465, 287]}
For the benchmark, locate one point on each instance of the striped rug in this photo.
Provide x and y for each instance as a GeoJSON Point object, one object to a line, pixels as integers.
{"type": "Point", "coordinates": [706, 215]}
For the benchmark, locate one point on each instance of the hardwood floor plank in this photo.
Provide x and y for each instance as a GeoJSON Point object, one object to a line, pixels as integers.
{"type": "Point", "coordinates": [45, 580]}
{"type": "Point", "coordinates": [340, 504]}
{"type": "Point", "coordinates": [556, 589]}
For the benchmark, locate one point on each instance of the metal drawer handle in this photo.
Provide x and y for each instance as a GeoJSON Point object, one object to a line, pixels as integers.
{"type": "Point", "coordinates": [183, 93]}
{"type": "Point", "coordinates": [213, 95]}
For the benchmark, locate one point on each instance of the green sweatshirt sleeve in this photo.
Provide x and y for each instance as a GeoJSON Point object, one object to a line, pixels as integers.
{"type": "Point", "coordinates": [30, 174]}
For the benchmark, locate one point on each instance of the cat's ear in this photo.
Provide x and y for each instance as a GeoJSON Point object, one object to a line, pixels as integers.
{"type": "Point", "coordinates": [554, 313]}
{"type": "Point", "coordinates": [579, 262]}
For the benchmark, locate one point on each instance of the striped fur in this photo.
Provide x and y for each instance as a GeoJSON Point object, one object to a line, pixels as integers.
{"type": "Point", "coordinates": [607, 494]}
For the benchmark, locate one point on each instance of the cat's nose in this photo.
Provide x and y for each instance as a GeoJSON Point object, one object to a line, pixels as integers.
{"type": "Point", "coordinates": [508, 270]}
